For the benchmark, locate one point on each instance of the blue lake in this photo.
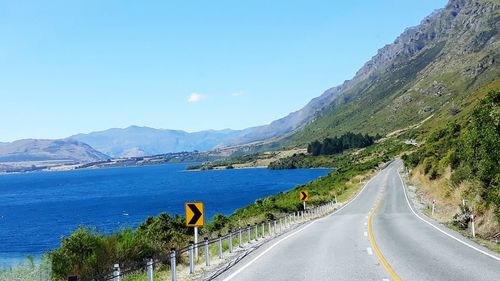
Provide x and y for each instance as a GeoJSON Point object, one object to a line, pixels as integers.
{"type": "Point", "coordinates": [37, 209]}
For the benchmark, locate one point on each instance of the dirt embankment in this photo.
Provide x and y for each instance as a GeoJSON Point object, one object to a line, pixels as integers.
{"type": "Point", "coordinates": [450, 203]}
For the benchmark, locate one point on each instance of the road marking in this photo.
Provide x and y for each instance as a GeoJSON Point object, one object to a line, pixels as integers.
{"type": "Point", "coordinates": [384, 262]}
{"type": "Point", "coordinates": [366, 223]}
{"type": "Point", "coordinates": [369, 250]}
{"type": "Point", "coordinates": [440, 230]}
{"type": "Point", "coordinates": [385, 279]}
{"type": "Point", "coordinates": [365, 234]}
{"type": "Point", "coordinates": [234, 274]}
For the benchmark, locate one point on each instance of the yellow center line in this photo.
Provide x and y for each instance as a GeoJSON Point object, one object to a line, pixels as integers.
{"type": "Point", "coordinates": [384, 262]}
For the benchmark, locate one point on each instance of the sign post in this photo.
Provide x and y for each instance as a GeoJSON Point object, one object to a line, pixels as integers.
{"type": "Point", "coordinates": [195, 218]}
{"type": "Point", "coordinates": [473, 228]}
{"type": "Point", "coordinates": [196, 242]}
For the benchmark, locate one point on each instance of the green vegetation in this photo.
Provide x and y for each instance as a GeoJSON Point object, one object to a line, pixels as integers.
{"type": "Point", "coordinates": [301, 160]}
{"type": "Point", "coordinates": [336, 145]}
{"type": "Point", "coordinates": [28, 271]}
{"type": "Point", "coordinates": [384, 151]}
{"type": "Point", "coordinates": [87, 252]}
{"type": "Point", "coordinates": [227, 163]}
{"type": "Point", "coordinates": [471, 149]}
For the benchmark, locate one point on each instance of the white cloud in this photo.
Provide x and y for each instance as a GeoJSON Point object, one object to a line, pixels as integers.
{"type": "Point", "coordinates": [196, 97]}
{"type": "Point", "coordinates": [237, 94]}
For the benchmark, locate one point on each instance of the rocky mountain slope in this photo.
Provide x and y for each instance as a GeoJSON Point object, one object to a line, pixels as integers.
{"type": "Point", "coordinates": [43, 150]}
{"type": "Point", "coordinates": [432, 68]}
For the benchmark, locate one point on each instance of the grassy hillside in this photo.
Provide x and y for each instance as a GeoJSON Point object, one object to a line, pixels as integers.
{"type": "Point", "coordinates": [462, 161]}
{"type": "Point", "coordinates": [430, 69]}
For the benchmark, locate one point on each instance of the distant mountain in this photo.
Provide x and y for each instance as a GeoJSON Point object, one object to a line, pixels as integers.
{"type": "Point", "coordinates": [140, 141]}
{"type": "Point", "coordinates": [43, 150]}
{"type": "Point", "coordinates": [290, 123]}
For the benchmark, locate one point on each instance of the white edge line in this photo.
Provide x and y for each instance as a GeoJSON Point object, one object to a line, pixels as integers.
{"type": "Point", "coordinates": [293, 233]}
{"type": "Point", "coordinates": [437, 228]}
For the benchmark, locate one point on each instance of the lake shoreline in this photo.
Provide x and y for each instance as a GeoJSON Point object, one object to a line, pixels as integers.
{"type": "Point", "coordinates": [100, 198]}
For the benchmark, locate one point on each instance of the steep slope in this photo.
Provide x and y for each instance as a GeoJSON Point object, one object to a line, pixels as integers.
{"type": "Point", "coordinates": [429, 69]}
{"type": "Point", "coordinates": [457, 167]}
{"type": "Point", "coordinates": [44, 150]}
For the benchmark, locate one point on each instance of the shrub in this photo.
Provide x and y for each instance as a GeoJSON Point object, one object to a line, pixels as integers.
{"type": "Point", "coordinates": [462, 218]}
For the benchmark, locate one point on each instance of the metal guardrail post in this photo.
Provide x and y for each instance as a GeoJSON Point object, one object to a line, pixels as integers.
{"type": "Point", "coordinates": [256, 232]}
{"type": "Point", "coordinates": [230, 242]}
{"type": "Point", "coordinates": [149, 266]}
{"type": "Point", "coordinates": [207, 256]}
{"type": "Point", "coordinates": [220, 247]}
{"type": "Point", "coordinates": [263, 234]}
{"type": "Point", "coordinates": [269, 228]}
{"type": "Point", "coordinates": [275, 230]}
{"type": "Point", "coordinates": [173, 268]}
{"type": "Point", "coordinates": [239, 237]}
{"type": "Point", "coordinates": [248, 233]}
{"type": "Point", "coordinates": [191, 257]}
{"type": "Point", "coordinates": [116, 272]}
{"type": "Point", "coordinates": [281, 226]}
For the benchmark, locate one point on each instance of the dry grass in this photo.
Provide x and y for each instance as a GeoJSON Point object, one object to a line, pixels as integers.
{"type": "Point", "coordinates": [448, 200]}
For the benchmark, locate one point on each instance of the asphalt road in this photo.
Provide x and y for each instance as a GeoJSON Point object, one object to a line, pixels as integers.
{"type": "Point", "coordinates": [338, 247]}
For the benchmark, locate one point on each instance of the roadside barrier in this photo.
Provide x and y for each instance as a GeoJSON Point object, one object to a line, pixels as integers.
{"type": "Point", "coordinates": [262, 232]}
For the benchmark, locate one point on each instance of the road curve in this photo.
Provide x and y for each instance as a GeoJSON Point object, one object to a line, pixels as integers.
{"type": "Point", "coordinates": [418, 251]}
{"type": "Point", "coordinates": [338, 247]}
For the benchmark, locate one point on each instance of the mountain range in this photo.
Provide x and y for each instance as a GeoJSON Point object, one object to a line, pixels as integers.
{"type": "Point", "coordinates": [33, 150]}
{"type": "Point", "coordinates": [141, 141]}
{"type": "Point", "coordinates": [432, 69]}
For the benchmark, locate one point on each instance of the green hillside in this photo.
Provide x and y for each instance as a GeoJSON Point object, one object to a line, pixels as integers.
{"type": "Point", "coordinates": [435, 68]}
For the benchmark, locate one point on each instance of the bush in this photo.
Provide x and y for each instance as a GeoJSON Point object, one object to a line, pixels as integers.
{"type": "Point", "coordinates": [219, 221]}
{"type": "Point", "coordinates": [84, 253]}
{"type": "Point", "coordinates": [461, 219]}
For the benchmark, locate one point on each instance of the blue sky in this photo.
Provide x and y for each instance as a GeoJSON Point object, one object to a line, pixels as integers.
{"type": "Point", "coordinates": [78, 66]}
